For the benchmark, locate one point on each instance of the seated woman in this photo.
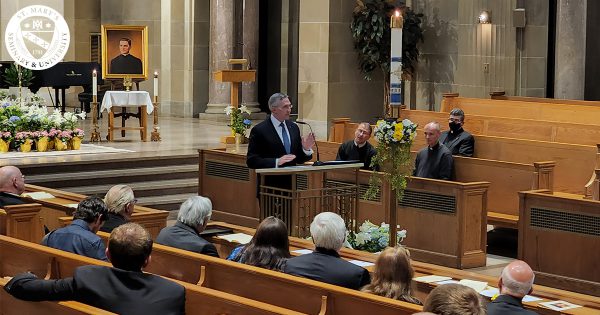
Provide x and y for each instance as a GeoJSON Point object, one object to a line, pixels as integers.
{"type": "Point", "coordinates": [393, 276]}
{"type": "Point", "coordinates": [454, 299]}
{"type": "Point", "coordinates": [269, 247]}
{"type": "Point", "coordinates": [120, 202]}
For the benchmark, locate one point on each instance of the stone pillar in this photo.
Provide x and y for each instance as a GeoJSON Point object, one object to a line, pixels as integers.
{"type": "Point", "coordinates": [570, 49]}
{"type": "Point", "coordinates": [221, 50]}
{"type": "Point", "coordinates": [250, 52]}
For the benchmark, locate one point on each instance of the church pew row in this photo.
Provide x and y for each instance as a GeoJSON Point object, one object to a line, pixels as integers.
{"type": "Point", "coordinates": [501, 95]}
{"type": "Point", "coordinates": [18, 256]}
{"type": "Point", "coordinates": [560, 113]}
{"type": "Point", "coordinates": [506, 180]}
{"type": "Point", "coordinates": [592, 303]}
{"type": "Point", "coordinates": [518, 128]}
{"type": "Point", "coordinates": [13, 306]}
{"type": "Point", "coordinates": [549, 219]}
{"type": "Point", "coordinates": [244, 284]}
{"type": "Point", "coordinates": [153, 220]}
{"type": "Point", "coordinates": [575, 163]}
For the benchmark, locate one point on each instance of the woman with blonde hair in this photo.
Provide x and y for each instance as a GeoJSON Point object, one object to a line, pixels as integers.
{"type": "Point", "coordinates": [393, 275]}
{"type": "Point", "coordinates": [120, 202]}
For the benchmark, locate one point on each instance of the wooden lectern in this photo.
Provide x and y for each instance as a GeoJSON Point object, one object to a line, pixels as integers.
{"type": "Point", "coordinates": [235, 77]}
{"type": "Point", "coordinates": [306, 198]}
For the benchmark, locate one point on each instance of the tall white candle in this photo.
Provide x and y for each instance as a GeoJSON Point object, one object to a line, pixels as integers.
{"type": "Point", "coordinates": [94, 83]}
{"type": "Point", "coordinates": [155, 83]}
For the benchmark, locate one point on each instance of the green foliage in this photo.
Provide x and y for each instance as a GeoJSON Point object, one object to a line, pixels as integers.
{"type": "Point", "coordinates": [11, 75]}
{"type": "Point", "coordinates": [371, 33]}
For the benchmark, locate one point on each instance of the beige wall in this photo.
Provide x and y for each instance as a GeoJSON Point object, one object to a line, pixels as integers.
{"type": "Point", "coordinates": [330, 84]}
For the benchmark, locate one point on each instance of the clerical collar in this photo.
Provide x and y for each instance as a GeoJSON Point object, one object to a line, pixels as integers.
{"type": "Point", "coordinates": [457, 131]}
{"type": "Point", "coordinates": [435, 147]}
{"type": "Point", "coordinates": [360, 145]}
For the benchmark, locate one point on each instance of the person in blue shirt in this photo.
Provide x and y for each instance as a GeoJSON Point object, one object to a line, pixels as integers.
{"type": "Point", "coordinates": [80, 236]}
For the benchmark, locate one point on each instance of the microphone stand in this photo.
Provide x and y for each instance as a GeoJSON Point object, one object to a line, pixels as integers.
{"type": "Point", "coordinates": [318, 161]}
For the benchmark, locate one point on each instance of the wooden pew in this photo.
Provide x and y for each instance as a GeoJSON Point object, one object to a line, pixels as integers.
{"type": "Point", "coordinates": [592, 303]}
{"type": "Point", "coordinates": [550, 219]}
{"type": "Point", "coordinates": [563, 113]}
{"type": "Point", "coordinates": [506, 178]}
{"type": "Point", "coordinates": [54, 208]}
{"type": "Point", "coordinates": [501, 95]}
{"type": "Point", "coordinates": [22, 222]}
{"type": "Point", "coordinates": [10, 305]}
{"type": "Point", "coordinates": [18, 256]}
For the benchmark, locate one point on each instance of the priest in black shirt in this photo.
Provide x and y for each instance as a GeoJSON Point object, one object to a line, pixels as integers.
{"type": "Point", "coordinates": [435, 161]}
{"type": "Point", "coordinates": [125, 63]}
{"type": "Point", "coordinates": [359, 148]}
{"type": "Point", "coordinates": [457, 140]}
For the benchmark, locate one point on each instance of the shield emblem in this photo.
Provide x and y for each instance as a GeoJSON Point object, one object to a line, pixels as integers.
{"type": "Point", "coordinates": [37, 33]}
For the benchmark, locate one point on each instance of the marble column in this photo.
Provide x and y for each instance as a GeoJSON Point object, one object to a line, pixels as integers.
{"type": "Point", "coordinates": [570, 44]}
{"type": "Point", "coordinates": [250, 52]}
{"type": "Point", "coordinates": [221, 50]}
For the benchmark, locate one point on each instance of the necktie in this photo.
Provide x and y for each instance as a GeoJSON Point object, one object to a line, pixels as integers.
{"type": "Point", "coordinates": [286, 139]}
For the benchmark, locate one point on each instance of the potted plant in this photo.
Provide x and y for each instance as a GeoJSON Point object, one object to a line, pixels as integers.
{"type": "Point", "coordinates": [239, 124]}
{"type": "Point", "coordinates": [24, 140]}
{"type": "Point", "coordinates": [17, 77]}
{"type": "Point", "coordinates": [5, 138]}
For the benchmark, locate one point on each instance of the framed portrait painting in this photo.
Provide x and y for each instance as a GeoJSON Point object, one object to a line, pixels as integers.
{"type": "Point", "coordinates": [125, 51]}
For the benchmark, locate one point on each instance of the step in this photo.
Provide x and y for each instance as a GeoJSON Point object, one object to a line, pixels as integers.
{"type": "Point", "coordinates": [144, 189]}
{"type": "Point", "coordinates": [120, 161]}
{"type": "Point", "coordinates": [111, 176]}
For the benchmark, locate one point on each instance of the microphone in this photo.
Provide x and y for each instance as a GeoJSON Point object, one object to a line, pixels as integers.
{"type": "Point", "coordinates": [318, 161]}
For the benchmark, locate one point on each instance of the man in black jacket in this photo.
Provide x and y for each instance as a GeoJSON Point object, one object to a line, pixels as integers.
{"type": "Point", "coordinates": [457, 140]}
{"type": "Point", "coordinates": [359, 148]}
{"type": "Point", "coordinates": [192, 219]}
{"type": "Point", "coordinates": [515, 282]}
{"type": "Point", "coordinates": [125, 63]}
{"type": "Point", "coordinates": [328, 232]}
{"type": "Point", "coordinates": [124, 289]}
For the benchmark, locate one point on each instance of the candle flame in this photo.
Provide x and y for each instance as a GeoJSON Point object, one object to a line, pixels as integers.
{"type": "Point", "coordinates": [397, 13]}
{"type": "Point", "coordinates": [155, 73]}
{"type": "Point", "coordinates": [94, 71]}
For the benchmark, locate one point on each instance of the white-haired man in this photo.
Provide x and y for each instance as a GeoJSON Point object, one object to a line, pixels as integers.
{"type": "Point", "coordinates": [192, 219]}
{"type": "Point", "coordinates": [328, 232]}
{"type": "Point", "coordinates": [435, 161]}
{"type": "Point", "coordinates": [515, 282]}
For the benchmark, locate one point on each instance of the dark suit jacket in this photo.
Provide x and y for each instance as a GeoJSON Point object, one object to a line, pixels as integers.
{"type": "Point", "coordinates": [112, 289]}
{"type": "Point", "coordinates": [265, 147]}
{"type": "Point", "coordinates": [459, 143]}
{"type": "Point", "coordinates": [8, 199]}
{"type": "Point", "coordinates": [185, 237]}
{"type": "Point", "coordinates": [327, 266]}
{"type": "Point", "coordinates": [114, 220]}
{"type": "Point", "coordinates": [506, 304]}
{"type": "Point", "coordinates": [128, 64]}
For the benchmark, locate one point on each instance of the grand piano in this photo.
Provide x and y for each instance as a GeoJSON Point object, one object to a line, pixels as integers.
{"type": "Point", "coordinates": [60, 77]}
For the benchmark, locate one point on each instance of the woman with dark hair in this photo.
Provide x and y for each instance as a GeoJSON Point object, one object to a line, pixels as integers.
{"type": "Point", "coordinates": [269, 247]}
{"type": "Point", "coordinates": [393, 275]}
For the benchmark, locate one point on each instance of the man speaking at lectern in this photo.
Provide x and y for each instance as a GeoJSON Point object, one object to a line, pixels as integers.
{"type": "Point", "coordinates": [276, 142]}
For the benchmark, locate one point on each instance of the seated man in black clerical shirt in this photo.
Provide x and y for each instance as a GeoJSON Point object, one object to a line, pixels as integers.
{"type": "Point", "coordinates": [359, 148]}
{"type": "Point", "coordinates": [122, 289]}
{"type": "Point", "coordinates": [12, 185]}
{"type": "Point", "coordinates": [457, 140]}
{"type": "Point", "coordinates": [435, 161]}
{"type": "Point", "coordinates": [125, 63]}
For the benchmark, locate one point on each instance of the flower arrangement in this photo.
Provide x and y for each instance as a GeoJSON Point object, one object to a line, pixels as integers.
{"type": "Point", "coordinates": [53, 133]}
{"type": "Point", "coordinates": [394, 139]}
{"type": "Point", "coordinates": [6, 136]}
{"type": "Point", "coordinates": [372, 238]}
{"type": "Point", "coordinates": [23, 137]}
{"type": "Point", "coordinates": [65, 135]}
{"type": "Point", "coordinates": [37, 135]}
{"type": "Point", "coordinates": [239, 124]}
{"type": "Point", "coordinates": [78, 133]}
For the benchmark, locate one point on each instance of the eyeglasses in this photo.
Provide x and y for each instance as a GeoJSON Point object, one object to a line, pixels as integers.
{"type": "Point", "coordinates": [134, 201]}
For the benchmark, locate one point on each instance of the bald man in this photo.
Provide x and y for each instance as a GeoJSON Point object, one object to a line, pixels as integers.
{"type": "Point", "coordinates": [515, 282]}
{"type": "Point", "coordinates": [435, 161]}
{"type": "Point", "coordinates": [12, 185]}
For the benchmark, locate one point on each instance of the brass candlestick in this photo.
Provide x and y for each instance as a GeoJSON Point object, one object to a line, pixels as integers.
{"type": "Point", "coordinates": [155, 134]}
{"type": "Point", "coordinates": [127, 83]}
{"type": "Point", "coordinates": [95, 136]}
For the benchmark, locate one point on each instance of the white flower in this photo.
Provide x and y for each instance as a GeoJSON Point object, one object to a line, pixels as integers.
{"type": "Point", "coordinates": [228, 110]}
{"type": "Point", "coordinates": [244, 109]}
{"type": "Point", "coordinates": [361, 238]}
{"type": "Point", "coordinates": [401, 235]}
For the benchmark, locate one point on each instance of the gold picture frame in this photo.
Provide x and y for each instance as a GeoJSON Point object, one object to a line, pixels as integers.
{"type": "Point", "coordinates": [115, 63]}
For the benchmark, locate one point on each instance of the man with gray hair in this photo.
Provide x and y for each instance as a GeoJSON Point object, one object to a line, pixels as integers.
{"type": "Point", "coordinates": [192, 219]}
{"type": "Point", "coordinates": [328, 232]}
{"type": "Point", "coordinates": [457, 140]}
{"type": "Point", "coordinates": [515, 282]}
{"type": "Point", "coordinates": [120, 202]}
{"type": "Point", "coordinates": [435, 161]}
